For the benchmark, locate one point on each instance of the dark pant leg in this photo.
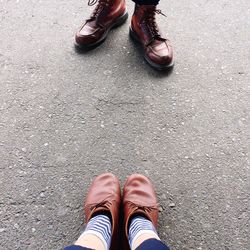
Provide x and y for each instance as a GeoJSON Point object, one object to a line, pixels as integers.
{"type": "Point", "coordinates": [146, 2]}
{"type": "Point", "coordinates": [152, 244]}
{"type": "Point", "coordinates": [146, 245]}
{"type": "Point", "coordinates": [73, 247]}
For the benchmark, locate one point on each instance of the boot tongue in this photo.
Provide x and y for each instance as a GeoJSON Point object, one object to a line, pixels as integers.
{"type": "Point", "coordinates": [98, 9]}
{"type": "Point", "coordinates": [149, 8]}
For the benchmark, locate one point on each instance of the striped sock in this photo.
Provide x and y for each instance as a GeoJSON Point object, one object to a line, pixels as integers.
{"type": "Point", "coordinates": [140, 225]}
{"type": "Point", "coordinates": [100, 226]}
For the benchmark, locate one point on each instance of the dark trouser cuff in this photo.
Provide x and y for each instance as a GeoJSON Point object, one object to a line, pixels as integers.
{"type": "Point", "coordinates": [146, 245]}
{"type": "Point", "coordinates": [152, 244]}
{"type": "Point", "coordinates": [74, 247]}
{"type": "Point", "coordinates": [146, 2]}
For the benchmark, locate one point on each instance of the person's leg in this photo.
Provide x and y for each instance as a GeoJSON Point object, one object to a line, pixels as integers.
{"type": "Point", "coordinates": [141, 214]}
{"type": "Point", "coordinates": [102, 207]}
{"type": "Point", "coordinates": [143, 236]}
{"type": "Point", "coordinates": [97, 234]}
{"type": "Point", "coordinates": [158, 51]}
{"type": "Point", "coordinates": [140, 229]}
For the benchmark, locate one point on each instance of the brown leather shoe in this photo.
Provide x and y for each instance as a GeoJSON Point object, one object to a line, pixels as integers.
{"type": "Point", "coordinates": [108, 14]}
{"type": "Point", "coordinates": [139, 197]}
{"type": "Point", "coordinates": [158, 51]}
{"type": "Point", "coordinates": [104, 195]}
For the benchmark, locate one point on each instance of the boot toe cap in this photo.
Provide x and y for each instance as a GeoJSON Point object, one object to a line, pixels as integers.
{"type": "Point", "coordinates": [160, 55]}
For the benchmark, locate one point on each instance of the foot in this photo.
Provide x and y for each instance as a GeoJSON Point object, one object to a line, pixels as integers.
{"type": "Point", "coordinates": [104, 197]}
{"type": "Point", "coordinates": [144, 29]}
{"type": "Point", "coordinates": [139, 199]}
{"type": "Point", "coordinates": [107, 15]}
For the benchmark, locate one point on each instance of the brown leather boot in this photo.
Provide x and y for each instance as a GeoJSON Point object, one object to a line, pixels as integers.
{"type": "Point", "coordinates": [139, 198]}
{"type": "Point", "coordinates": [104, 195]}
{"type": "Point", "coordinates": [157, 50]}
{"type": "Point", "coordinates": [107, 15]}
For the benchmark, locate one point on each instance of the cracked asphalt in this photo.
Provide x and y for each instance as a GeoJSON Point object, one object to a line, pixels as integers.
{"type": "Point", "coordinates": [66, 117]}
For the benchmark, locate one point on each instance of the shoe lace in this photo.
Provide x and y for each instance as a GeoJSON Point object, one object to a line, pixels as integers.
{"type": "Point", "coordinates": [105, 203]}
{"type": "Point", "coordinates": [146, 209]}
{"type": "Point", "coordinates": [151, 22]}
{"type": "Point", "coordinates": [100, 6]}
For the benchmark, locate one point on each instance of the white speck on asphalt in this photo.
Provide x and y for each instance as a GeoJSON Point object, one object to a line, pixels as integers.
{"type": "Point", "coordinates": [172, 205]}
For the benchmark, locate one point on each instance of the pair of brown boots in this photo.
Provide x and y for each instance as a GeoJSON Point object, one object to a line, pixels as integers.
{"type": "Point", "coordinates": [109, 14]}
{"type": "Point", "coordinates": [139, 198]}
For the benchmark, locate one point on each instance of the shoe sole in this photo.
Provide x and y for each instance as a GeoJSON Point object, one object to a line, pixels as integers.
{"type": "Point", "coordinates": [118, 22]}
{"type": "Point", "coordinates": [135, 38]}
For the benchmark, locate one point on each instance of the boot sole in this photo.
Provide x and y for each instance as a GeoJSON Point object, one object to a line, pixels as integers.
{"type": "Point", "coordinates": [118, 22]}
{"type": "Point", "coordinates": [135, 38]}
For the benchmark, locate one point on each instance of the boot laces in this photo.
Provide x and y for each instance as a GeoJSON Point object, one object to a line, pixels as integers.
{"type": "Point", "coordinates": [99, 7]}
{"type": "Point", "coordinates": [151, 22]}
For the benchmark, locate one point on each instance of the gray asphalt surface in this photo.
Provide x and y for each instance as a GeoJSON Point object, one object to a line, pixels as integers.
{"type": "Point", "coordinates": [66, 117]}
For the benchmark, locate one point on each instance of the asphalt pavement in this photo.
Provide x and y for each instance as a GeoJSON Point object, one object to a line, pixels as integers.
{"type": "Point", "coordinates": [66, 117]}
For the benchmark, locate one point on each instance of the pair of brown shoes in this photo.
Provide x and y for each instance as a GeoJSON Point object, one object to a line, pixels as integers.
{"type": "Point", "coordinates": [139, 197]}
{"type": "Point", "coordinates": [109, 14]}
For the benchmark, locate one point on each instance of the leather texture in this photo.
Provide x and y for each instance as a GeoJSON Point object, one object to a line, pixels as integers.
{"type": "Point", "coordinates": [139, 197]}
{"type": "Point", "coordinates": [105, 16]}
{"type": "Point", "coordinates": [104, 195]}
{"type": "Point", "coordinates": [158, 50]}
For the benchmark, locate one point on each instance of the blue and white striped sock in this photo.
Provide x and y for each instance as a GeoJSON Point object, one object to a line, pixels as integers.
{"type": "Point", "coordinates": [140, 225]}
{"type": "Point", "coordinates": [100, 226]}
